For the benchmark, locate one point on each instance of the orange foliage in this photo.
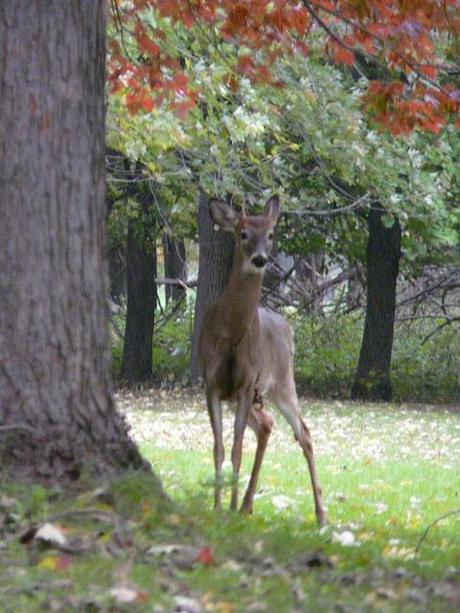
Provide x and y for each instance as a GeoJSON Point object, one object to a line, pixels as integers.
{"type": "Point", "coordinates": [396, 34]}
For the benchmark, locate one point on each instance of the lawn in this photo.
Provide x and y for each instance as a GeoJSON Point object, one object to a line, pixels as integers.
{"type": "Point", "coordinates": [390, 482]}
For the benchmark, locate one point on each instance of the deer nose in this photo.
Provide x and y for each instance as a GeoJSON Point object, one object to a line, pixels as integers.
{"type": "Point", "coordinates": [259, 261]}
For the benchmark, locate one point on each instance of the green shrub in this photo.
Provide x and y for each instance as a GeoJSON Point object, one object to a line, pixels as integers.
{"type": "Point", "coordinates": [327, 351]}
{"type": "Point", "coordinates": [426, 371]}
{"type": "Point", "coordinates": [172, 344]}
{"type": "Point", "coordinates": [171, 347]}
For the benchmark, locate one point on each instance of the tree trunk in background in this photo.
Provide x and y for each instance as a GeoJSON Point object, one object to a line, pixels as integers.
{"type": "Point", "coordinates": [117, 274]}
{"type": "Point", "coordinates": [56, 407]}
{"type": "Point", "coordinates": [117, 264]}
{"type": "Point", "coordinates": [214, 268]}
{"type": "Point", "coordinates": [175, 267]}
{"type": "Point", "coordinates": [142, 269]}
{"type": "Point", "coordinates": [372, 380]}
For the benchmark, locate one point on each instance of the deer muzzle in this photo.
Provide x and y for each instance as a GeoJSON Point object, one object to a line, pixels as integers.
{"type": "Point", "coordinates": [259, 260]}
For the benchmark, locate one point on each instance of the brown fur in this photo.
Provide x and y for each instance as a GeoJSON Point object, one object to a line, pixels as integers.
{"type": "Point", "coordinates": [247, 351]}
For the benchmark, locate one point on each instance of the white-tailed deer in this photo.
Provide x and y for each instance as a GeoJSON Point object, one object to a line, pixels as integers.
{"type": "Point", "coordinates": [247, 351]}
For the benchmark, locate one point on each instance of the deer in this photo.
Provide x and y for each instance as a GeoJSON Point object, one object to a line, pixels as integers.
{"type": "Point", "coordinates": [247, 351]}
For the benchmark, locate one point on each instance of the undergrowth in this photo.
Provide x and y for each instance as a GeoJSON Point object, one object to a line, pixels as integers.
{"type": "Point", "coordinates": [327, 350]}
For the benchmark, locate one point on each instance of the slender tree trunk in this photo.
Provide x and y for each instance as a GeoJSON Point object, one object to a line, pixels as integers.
{"type": "Point", "coordinates": [214, 268]}
{"type": "Point", "coordinates": [175, 267]}
{"type": "Point", "coordinates": [372, 381]}
{"type": "Point", "coordinates": [117, 264]}
{"type": "Point", "coordinates": [117, 273]}
{"type": "Point", "coordinates": [142, 266]}
{"type": "Point", "coordinates": [56, 407]}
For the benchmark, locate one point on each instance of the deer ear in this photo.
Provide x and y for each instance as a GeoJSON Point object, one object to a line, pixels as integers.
{"type": "Point", "coordinates": [272, 209]}
{"type": "Point", "coordinates": [224, 216]}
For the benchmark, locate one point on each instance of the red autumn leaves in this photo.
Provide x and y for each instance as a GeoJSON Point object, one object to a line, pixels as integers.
{"type": "Point", "coordinates": [408, 41]}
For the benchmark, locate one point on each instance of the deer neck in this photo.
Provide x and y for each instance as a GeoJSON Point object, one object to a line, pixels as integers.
{"type": "Point", "coordinates": [241, 297]}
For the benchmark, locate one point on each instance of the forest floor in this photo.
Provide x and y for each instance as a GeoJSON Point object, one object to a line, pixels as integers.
{"type": "Point", "coordinates": [390, 480]}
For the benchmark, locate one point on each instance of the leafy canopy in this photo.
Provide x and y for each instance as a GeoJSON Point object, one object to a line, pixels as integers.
{"type": "Point", "coordinates": [309, 140]}
{"type": "Point", "coordinates": [410, 48]}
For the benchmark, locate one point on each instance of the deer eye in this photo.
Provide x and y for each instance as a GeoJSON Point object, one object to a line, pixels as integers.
{"type": "Point", "coordinates": [270, 236]}
{"type": "Point", "coordinates": [244, 236]}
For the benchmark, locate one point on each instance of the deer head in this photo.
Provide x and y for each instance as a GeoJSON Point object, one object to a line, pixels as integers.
{"type": "Point", "coordinates": [253, 234]}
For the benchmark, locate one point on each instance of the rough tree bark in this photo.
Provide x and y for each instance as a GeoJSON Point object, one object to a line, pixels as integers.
{"type": "Point", "coordinates": [372, 380]}
{"type": "Point", "coordinates": [214, 268]}
{"type": "Point", "coordinates": [175, 267]}
{"type": "Point", "coordinates": [56, 407]}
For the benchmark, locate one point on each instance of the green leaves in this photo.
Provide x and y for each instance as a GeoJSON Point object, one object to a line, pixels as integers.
{"type": "Point", "coordinates": [308, 140]}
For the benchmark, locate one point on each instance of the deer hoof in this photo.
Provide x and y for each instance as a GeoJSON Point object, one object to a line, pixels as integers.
{"type": "Point", "coordinates": [322, 519]}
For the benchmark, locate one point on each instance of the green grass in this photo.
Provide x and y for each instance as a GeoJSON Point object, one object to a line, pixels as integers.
{"type": "Point", "coordinates": [381, 503]}
{"type": "Point", "coordinates": [387, 473]}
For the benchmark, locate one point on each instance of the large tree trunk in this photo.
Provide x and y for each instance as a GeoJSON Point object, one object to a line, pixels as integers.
{"type": "Point", "coordinates": [372, 380]}
{"type": "Point", "coordinates": [56, 408]}
{"type": "Point", "coordinates": [214, 268]}
{"type": "Point", "coordinates": [175, 267]}
{"type": "Point", "coordinates": [137, 347]}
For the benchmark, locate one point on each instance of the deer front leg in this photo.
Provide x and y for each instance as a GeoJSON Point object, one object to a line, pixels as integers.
{"type": "Point", "coordinates": [215, 417]}
{"type": "Point", "coordinates": [262, 424]}
{"type": "Point", "coordinates": [241, 418]}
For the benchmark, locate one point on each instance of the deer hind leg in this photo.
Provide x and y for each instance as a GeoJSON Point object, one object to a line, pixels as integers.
{"type": "Point", "coordinates": [289, 406]}
{"type": "Point", "coordinates": [262, 424]}
{"type": "Point", "coordinates": [241, 418]}
{"type": "Point", "coordinates": [215, 417]}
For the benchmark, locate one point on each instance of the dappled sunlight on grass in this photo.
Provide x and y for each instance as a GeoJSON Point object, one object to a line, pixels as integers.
{"type": "Point", "coordinates": [179, 420]}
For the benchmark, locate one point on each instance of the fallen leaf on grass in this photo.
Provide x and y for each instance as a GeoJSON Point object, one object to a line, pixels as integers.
{"type": "Point", "coordinates": [51, 535]}
{"type": "Point", "coordinates": [55, 563]}
{"type": "Point", "coordinates": [345, 538]}
{"type": "Point", "coordinates": [185, 604]}
{"type": "Point", "coordinates": [281, 502]}
{"type": "Point", "coordinates": [219, 607]}
{"type": "Point", "coordinates": [205, 557]}
{"type": "Point", "coordinates": [403, 553]}
{"type": "Point", "coordinates": [47, 534]}
{"type": "Point", "coordinates": [232, 566]}
{"type": "Point", "coordinates": [184, 557]}
{"type": "Point", "coordinates": [125, 593]}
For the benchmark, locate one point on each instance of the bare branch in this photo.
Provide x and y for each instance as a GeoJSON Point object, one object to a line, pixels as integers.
{"type": "Point", "coordinates": [440, 518]}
